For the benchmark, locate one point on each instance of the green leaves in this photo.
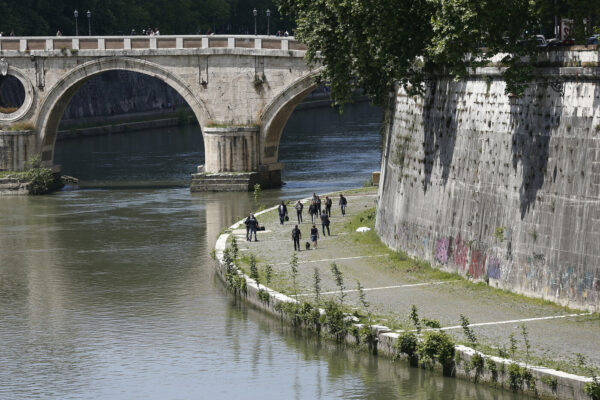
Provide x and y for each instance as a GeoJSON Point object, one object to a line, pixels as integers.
{"type": "Point", "coordinates": [374, 43]}
{"type": "Point", "coordinates": [339, 281]}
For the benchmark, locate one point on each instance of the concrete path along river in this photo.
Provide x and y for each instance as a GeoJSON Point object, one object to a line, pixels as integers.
{"type": "Point", "coordinates": [556, 334]}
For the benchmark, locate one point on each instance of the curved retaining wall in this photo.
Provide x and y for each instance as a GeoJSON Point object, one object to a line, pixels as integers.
{"type": "Point", "coordinates": [499, 188]}
{"type": "Point", "coordinates": [568, 386]}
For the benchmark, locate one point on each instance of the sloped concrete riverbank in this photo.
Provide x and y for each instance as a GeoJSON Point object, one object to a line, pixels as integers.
{"type": "Point", "coordinates": [392, 284]}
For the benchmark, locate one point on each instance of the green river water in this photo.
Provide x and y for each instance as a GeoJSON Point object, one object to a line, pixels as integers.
{"type": "Point", "coordinates": [108, 291]}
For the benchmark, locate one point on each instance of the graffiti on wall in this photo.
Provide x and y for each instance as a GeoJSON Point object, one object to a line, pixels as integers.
{"type": "Point", "coordinates": [527, 272]}
{"type": "Point", "coordinates": [477, 265]}
{"type": "Point", "coordinates": [461, 252]}
{"type": "Point", "coordinates": [493, 268]}
{"type": "Point", "coordinates": [441, 250]}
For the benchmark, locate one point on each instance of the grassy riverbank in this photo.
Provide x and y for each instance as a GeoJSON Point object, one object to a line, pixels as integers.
{"type": "Point", "coordinates": [554, 335]}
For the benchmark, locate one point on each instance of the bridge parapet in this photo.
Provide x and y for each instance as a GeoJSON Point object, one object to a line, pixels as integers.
{"type": "Point", "coordinates": [14, 45]}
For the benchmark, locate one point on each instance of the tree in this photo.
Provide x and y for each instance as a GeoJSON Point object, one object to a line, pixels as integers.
{"type": "Point", "coordinates": [366, 43]}
{"type": "Point", "coordinates": [375, 43]}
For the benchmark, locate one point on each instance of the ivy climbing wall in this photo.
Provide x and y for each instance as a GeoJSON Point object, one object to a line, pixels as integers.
{"type": "Point", "coordinates": [499, 188]}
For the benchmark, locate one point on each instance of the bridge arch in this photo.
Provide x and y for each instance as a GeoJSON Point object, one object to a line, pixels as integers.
{"type": "Point", "coordinates": [278, 111]}
{"type": "Point", "coordinates": [58, 98]}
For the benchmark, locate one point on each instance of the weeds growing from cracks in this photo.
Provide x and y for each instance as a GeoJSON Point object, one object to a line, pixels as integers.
{"type": "Point", "coordinates": [317, 286]}
{"type": "Point", "coordinates": [477, 363]}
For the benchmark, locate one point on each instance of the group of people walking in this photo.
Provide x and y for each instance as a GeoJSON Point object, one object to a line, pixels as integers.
{"type": "Point", "coordinates": [316, 210]}
{"type": "Point", "coordinates": [316, 207]}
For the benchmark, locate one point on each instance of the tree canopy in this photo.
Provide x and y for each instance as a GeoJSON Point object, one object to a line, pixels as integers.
{"type": "Point", "coordinates": [374, 43]}
{"type": "Point", "coordinates": [117, 17]}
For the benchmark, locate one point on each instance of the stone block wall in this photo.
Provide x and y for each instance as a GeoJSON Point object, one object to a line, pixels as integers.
{"type": "Point", "coordinates": [121, 92]}
{"type": "Point", "coordinates": [499, 188]}
{"type": "Point", "coordinates": [16, 148]}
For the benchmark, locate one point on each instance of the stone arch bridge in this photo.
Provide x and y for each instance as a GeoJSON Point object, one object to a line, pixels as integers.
{"type": "Point", "coordinates": [242, 90]}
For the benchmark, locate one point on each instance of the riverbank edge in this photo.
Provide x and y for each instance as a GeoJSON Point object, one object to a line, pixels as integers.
{"type": "Point", "coordinates": [549, 383]}
{"type": "Point", "coordinates": [122, 126]}
{"type": "Point", "coordinates": [131, 123]}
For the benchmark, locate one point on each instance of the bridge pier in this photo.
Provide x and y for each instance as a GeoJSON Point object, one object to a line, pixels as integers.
{"type": "Point", "coordinates": [232, 161]}
{"type": "Point", "coordinates": [16, 148]}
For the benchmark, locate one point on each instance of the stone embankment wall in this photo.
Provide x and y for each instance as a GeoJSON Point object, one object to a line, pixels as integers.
{"type": "Point", "coordinates": [119, 127]}
{"type": "Point", "coordinates": [500, 188]}
{"type": "Point", "coordinates": [121, 92]}
{"type": "Point", "coordinates": [13, 186]}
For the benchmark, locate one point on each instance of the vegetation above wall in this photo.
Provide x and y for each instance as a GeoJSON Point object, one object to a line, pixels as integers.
{"type": "Point", "coordinates": [375, 43]}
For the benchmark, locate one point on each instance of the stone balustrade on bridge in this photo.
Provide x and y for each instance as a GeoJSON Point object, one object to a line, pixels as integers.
{"type": "Point", "coordinates": [81, 43]}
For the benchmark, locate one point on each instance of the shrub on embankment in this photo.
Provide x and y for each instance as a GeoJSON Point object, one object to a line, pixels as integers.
{"type": "Point", "coordinates": [37, 179]}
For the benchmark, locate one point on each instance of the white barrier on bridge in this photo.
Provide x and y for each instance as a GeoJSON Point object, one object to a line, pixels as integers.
{"type": "Point", "coordinates": [63, 43]}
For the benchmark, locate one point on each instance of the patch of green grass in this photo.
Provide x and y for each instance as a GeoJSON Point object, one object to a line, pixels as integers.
{"type": "Point", "coordinates": [243, 264]}
{"type": "Point", "coordinates": [4, 174]}
{"type": "Point", "coordinates": [503, 296]}
{"type": "Point", "coordinates": [371, 244]}
{"type": "Point", "coordinates": [22, 126]}
{"type": "Point", "coordinates": [362, 190]}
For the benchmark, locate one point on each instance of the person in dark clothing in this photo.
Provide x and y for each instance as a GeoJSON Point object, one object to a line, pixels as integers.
{"type": "Point", "coordinates": [343, 203]}
{"type": "Point", "coordinates": [314, 235]}
{"type": "Point", "coordinates": [253, 223]}
{"type": "Point", "coordinates": [296, 236]}
{"type": "Point", "coordinates": [312, 210]}
{"type": "Point", "coordinates": [299, 207]}
{"type": "Point", "coordinates": [325, 222]}
{"type": "Point", "coordinates": [282, 209]}
{"type": "Point", "coordinates": [318, 205]}
{"type": "Point", "coordinates": [328, 204]}
{"type": "Point", "coordinates": [247, 223]}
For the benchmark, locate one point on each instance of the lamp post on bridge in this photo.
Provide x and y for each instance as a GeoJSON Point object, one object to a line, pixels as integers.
{"type": "Point", "coordinates": [255, 14]}
{"type": "Point", "coordinates": [76, 15]}
{"type": "Point", "coordinates": [89, 15]}
{"type": "Point", "coordinates": [268, 21]}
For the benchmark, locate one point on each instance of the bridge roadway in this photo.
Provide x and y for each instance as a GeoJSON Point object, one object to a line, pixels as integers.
{"type": "Point", "coordinates": [242, 90]}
